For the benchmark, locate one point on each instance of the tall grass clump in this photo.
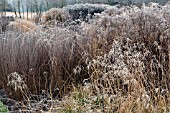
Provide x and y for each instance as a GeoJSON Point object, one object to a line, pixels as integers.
{"type": "Point", "coordinates": [118, 61]}
{"type": "Point", "coordinates": [21, 25]}
{"type": "Point", "coordinates": [44, 58]}
{"type": "Point", "coordinates": [38, 63]}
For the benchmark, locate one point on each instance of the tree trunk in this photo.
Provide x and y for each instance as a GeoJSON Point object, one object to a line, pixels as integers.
{"type": "Point", "coordinates": [23, 10]}
{"type": "Point", "coordinates": [15, 12]}
{"type": "Point", "coordinates": [31, 12]}
{"type": "Point", "coordinates": [27, 13]}
{"type": "Point", "coordinates": [19, 6]}
{"type": "Point", "coordinates": [3, 7]}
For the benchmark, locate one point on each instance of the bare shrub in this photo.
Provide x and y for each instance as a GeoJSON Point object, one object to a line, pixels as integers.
{"type": "Point", "coordinates": [36, 18]}
{"type": "Point", "coordinates": [57, 14]}
{"type": "Point", "coordinates": [81, 11]}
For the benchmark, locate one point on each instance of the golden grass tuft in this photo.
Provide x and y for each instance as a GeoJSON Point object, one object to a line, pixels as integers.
{"type": "Point", "coordinates": [22, 25]}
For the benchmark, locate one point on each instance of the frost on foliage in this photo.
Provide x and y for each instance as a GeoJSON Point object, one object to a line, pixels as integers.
{"type": "Point", "coordinates": [81, 11]}
{"type": "Point", "coordinates": [55, 14]}
{"type": "Point", "coordinates": [16, 81]}
{"type": "Point", "coordinates": [116, 63]}
{"type": "Point", "coordinates": [140, 26]}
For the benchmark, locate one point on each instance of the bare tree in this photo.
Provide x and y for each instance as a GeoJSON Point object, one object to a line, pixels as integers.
{"type": "Point", "coordinates": [23, 10]}
{"type": "Point", "coordinates": [27, 4]}
{"type": "Point", "coordinates": [19, 7]}
{"type": "Point", "coordinates": [3, 7]}
{"type": "Point", "coordinates": [14, 7]}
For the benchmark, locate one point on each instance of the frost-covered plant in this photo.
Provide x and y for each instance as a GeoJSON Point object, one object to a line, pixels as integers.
{"type": "Point", "coordinates": [16, 81]}
{"type": "Point", "coordinates": [4, 21]}
{"type": "Point", "coordinates": [136, 63]}
{"type": "Point", "coordinates": [145, 29]}
{"type": "Point", "coordinates": [21, 25]}
{"type": "Point", "coordinates": [116, 69]}
{"type": "Point", "coordinates": [123, 52]}
{"type": "Point", "coordinates": [81, 11]}
{"type": "Point", "coordinates": [55, 14]}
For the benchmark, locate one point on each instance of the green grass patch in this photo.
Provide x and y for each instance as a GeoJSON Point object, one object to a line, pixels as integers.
{"type": "Point", "coordinates": [3, 108]}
